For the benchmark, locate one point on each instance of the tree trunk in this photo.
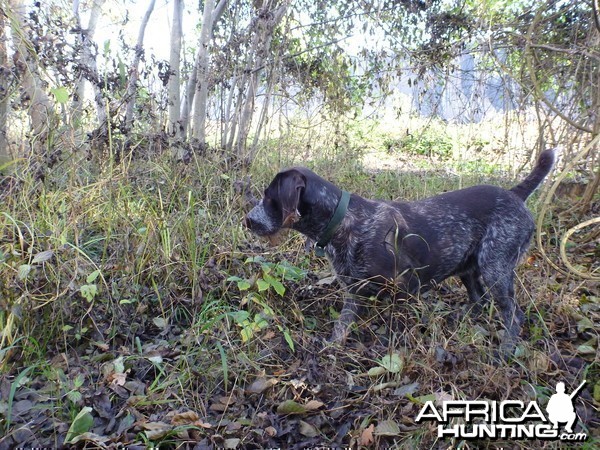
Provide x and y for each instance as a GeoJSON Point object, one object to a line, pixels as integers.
{"type": "Point", "coordinates": [133, 71]}
{"type": "Point", "coordinates": [87, 62]}
{"type": "Point", "coordinates": [197, 87]}
{"type": "Point", "coordinates": [4, 88]}
{"type": "Point", "coordinates": [199, 130]}
{"type": "Point", "coordinates": [173, 126]}
{"type": "Point", "coordinates": [266, 24]}
{"type": "Point", "coordinates": [41, 111]}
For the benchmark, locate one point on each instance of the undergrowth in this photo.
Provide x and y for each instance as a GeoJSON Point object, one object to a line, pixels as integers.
{"type": "Point", "coordinates": [129, 291]}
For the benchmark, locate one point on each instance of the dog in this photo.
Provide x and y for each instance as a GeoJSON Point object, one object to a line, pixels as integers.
{"type": "Point", "coordinates": [477, 233]}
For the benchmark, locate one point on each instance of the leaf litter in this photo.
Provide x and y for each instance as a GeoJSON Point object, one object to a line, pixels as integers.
{"type": "Point", "coordinates": [163, 380]}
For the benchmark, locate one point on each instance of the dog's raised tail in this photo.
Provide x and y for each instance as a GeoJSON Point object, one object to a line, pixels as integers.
{"type": "Point", "coordinates": [542, 168]}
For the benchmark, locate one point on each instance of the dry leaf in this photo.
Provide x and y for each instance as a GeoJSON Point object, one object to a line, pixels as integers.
{"type": "Point", "coordinates": [441, 397]}
{"type": "Point", "coordinates": [156, 430]}
{"type": "Point", "coordinates": [308, 430]}
{"type": "Point", "coordinates": [387, 428]}
{"type": "Point", "coordinates": [185, 418]}
{"type": "Point", "coordinates": [313, 405]}
{"type": "Point", "coordinates": [233, 426]}
{"type": "Point", "coordinates": [117, 379]}
{"type": "Point", "coordinates": [271, 431]}
{"type": "Point", "coordinates": [270, 334]}
{"type": "Point", "coordinates": [231, 443]}
{"type": "Point", "coordinates": [218, 407]}
{"type": "Point", "coordinates": [366, 437]}
{"type": "Point", "coordinates": [227, 400]}
{"type": "Point", "coordinates": [202, 424]}
{"type": "Point", "coordinates": [260, 385]}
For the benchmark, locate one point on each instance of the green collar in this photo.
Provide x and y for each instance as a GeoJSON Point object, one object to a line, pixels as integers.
{"type": "Point", "coordinates": [336, 219]}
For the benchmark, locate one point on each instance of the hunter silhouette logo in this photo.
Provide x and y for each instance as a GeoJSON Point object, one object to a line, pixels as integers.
{"type": "Point", "coordinates": [560, 407]}
{"type": "Point", "coordinates": [508, 419]}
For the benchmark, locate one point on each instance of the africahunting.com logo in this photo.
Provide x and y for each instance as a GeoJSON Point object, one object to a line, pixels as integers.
{"type": "Point", "coordinates": [508, 419]}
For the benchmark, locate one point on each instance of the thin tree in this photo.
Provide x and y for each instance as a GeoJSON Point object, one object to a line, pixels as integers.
{"type": "Point", "coordinates": [41, 111]}
{"type": "Point", "coordinates": [134, 69]}
{"type": "Point", "coordinates": [269, 17]}
{"type": "Point", "coordinates": [4, 89]}
{"type": "Point", "coordinates": [173, 126]}
{"type": "Point", "coordinates": [88, 69]}
{"type": "Point", "coordinates": [199, 76]}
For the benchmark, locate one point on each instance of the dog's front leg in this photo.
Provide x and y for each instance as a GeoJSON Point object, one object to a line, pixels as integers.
{"type": "Point", "coordinates": [341, 329]}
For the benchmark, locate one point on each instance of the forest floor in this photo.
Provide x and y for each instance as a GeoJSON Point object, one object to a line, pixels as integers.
{"type": "Point", "coordinates": [138, 313]}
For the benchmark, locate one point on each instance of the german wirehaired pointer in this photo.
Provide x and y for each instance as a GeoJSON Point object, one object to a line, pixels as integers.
{"type": "Point", "coordinates": [478, 234]}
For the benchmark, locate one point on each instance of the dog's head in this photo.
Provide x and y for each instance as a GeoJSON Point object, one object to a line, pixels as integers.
{"type": "Point", "coordinates": [279, 206]}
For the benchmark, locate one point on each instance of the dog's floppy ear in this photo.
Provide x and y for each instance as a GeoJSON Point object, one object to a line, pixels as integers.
{"type": "Point", "coordinates": [291, 184]}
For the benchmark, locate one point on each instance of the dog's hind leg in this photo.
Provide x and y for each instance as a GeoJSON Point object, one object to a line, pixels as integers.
{"type": "Point", "coordinates": [501, 286]}
{"type": "Point", "coordinates": [478, 294]}
{"type": "Point", "coordinates": [497, 259]}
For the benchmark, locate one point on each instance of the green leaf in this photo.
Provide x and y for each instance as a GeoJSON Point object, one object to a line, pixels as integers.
{"type": "Point", "coordinates": [23, 271]}
{"type": "Point", "coordinates": [160, 322]}
{"type": "Point", "coordinates": [78, 381]}
{"type": "Point", "coordinates": [585, 324]}
{"type": "Point", "coordinates": [262, 285]}
{"type": "Point", "coordinates": [42, 257]}
{"type": "Point", "coordinates": [287, 336]}
{"type": "Point", "coordinates": [422, 399]}
{"type": "Point", "coordinates": [74, 396]}
{"type": "Point", "coordinates": [239, 316]}
{"type": "Point", "coordinates": [289, 272]}
{"type": "Point", "coordinates": [260, 322]}
{"type": "Point", "coordinates": [234, 278]}
{"type": "Point", "coordinates": [242, 284]}
{"type": "Point", "coordinates": [127, 301]}
{"type": "Point", "coordinates": [119, 365]}
{"type": "Point", "coordinates": [88, 291]}
{"type": "Point", "coordinates": [392, 363]}
{"type": "Point", "coordinates": [279, 288]}
{"type": "Point", "coordinates": [252, 259]}
{"type": "Point", "coordinates": [246, 333]}
{"type": "Point", "coordinates": [376, 371]}
{"type": "Point", "coordinates": [290, 407]}
{"type": "Point", "coordinates": [586, 349]}
{"type": "Point", "coordinates": [82, 423]}
{"type": "Point", "coordinates": [60, 94]}
{"type": "Point", "coordinates": [92, 276]}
